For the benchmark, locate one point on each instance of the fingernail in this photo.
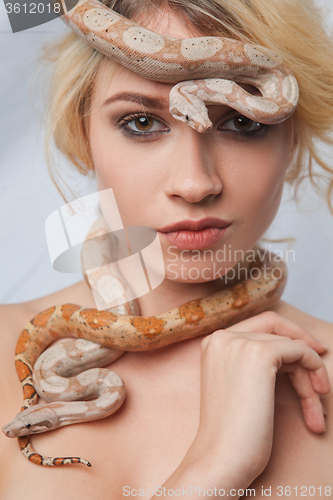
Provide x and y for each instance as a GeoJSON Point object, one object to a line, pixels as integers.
{"type": "Point", "coordinates": [320, 342]}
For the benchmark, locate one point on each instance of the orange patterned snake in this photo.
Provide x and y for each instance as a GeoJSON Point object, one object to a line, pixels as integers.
{"type": "Point", "coordinates": [206, 69]}
{"type": "Point", "coordinates": [125, 333]}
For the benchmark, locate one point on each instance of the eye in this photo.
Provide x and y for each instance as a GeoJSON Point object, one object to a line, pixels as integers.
{"type": "Point", "coordinates": [144, 124]}
{"type": "Point", "coordinates": [139, 123]}
{"type": "Point", "coordinates": [242, 124]}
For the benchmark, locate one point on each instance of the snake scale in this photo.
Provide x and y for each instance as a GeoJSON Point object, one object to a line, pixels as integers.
{"type": "Point", "coordinates": [205, 70]}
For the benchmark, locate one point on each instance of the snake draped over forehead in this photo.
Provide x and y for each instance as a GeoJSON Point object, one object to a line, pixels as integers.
{"type": "Point", "coordinates": [206, 70]}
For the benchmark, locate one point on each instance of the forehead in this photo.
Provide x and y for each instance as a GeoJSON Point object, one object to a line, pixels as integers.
{"type": "Point", "coordinates": [166, 22]}
{"type": "Point", "coordinates": [113, 77]}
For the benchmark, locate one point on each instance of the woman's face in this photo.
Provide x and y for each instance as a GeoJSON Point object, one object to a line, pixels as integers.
{"type": "Point", "coordinates": [163, 172]}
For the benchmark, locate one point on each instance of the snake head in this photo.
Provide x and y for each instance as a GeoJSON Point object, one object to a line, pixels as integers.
{"type": "Point", "coordinates": [187, 107]}
{"type": "Point", "coordinates": [34, 420]}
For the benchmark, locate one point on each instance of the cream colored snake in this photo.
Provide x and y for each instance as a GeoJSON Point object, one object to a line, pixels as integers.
{"type": "Point", "coordinates": [207, 70]}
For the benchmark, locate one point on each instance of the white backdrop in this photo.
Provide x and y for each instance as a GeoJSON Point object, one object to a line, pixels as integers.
{"type": "Point", "coordinates": [27, 196]}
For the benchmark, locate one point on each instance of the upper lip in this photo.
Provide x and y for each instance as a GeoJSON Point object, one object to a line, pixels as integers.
{"type": "Point", "coordinates": [194, 225]}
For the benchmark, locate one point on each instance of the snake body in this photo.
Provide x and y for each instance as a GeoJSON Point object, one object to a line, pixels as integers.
{"type": "Point", "coordinates": [120, 333]}
{"type": "Point", "coordinates": [208, 69]}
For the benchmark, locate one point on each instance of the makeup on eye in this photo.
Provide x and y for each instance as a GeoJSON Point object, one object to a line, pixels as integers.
{"type": "Point", "coordinates": [144, 124]}
{"type": "Point", "coordinates": [243, 126]}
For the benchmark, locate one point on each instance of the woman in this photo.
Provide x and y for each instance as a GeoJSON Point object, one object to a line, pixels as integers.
{"type": "Point", "coordinates": [193, 417]}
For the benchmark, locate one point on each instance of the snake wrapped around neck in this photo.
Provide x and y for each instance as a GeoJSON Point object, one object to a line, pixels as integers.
{"type": "Point", "coordinates": [111, 334]}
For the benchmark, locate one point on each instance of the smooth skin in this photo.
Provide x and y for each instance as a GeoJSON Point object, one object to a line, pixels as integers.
{"type": "Point", "coordinates": [240, 407]}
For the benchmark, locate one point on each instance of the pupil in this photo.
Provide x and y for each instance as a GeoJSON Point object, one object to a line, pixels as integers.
{"type": "Point", "coordinates": [243, 123]}
{"type": "Point", "coordinates": [143, 123]}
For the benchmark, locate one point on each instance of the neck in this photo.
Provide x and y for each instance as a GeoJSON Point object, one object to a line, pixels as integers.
{"type": "Point", "coordinates": [171, 294]}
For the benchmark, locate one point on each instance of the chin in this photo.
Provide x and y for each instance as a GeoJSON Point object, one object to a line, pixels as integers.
{"type": "Point", "coordinates": [191, 273]}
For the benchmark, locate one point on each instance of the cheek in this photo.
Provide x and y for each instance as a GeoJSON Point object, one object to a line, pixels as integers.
{"type": "Point", "coordinates": [132, 176]}
{"type": "Point", "coordinates": [132, 179]}
{"type": "Point", "coordinates": [260, 180]}
{"type": "Point", "coordinates": [108, 159]}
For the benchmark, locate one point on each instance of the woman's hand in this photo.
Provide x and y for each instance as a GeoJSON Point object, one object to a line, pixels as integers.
{"type": "Point", "coordinates": [270, 322]}
{"type": "Point", "coordinates": [238, 376]}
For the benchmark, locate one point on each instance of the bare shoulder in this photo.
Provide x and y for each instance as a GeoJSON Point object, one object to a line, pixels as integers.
{"type": "Point", "coordinates": [14, 317]}
{"type": "Point", "coordinates": [323, 330]}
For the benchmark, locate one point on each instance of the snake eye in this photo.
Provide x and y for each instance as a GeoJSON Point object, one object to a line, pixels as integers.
{"type": "Point", "coordinates": [28, 426]}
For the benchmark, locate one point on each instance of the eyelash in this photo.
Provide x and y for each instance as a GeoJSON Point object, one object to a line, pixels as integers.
{"type": "Point", "coordinates": [133, 116]}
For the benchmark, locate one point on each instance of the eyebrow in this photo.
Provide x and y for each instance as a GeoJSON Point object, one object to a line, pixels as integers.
{"type": "Point", "coordinates": [142, 99]}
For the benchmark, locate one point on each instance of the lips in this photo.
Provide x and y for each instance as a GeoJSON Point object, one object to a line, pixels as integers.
{"type": "Point", "coordinates": [194, 225]}
{"type": "Point", "coordinates": [191, 235]}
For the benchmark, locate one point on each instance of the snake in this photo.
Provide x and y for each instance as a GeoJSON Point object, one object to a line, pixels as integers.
{"type": "Point", "coordinates": [206, 69]}
{"type": "Point", "coordinates": [70, 375]}
{"type": "Point", "coordinates": [100, 337]}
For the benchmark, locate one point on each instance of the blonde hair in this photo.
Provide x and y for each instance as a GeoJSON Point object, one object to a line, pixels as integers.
{"type": "Point", "coordinates": [292, 28]}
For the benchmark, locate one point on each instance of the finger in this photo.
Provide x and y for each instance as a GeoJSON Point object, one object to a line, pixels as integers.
{"type": "Point", "coordinates": [318, 371]}
{"type": "Point", "coordinates": [274, 324]}
{"type": "Point", "coordinates": [299, 353]}
{"type": "Point", "coordinates": [309, 398]}
{"type": "Point", "coordinates": [319, 378]}
{"type": "Point", "coordinates": [310, 386]}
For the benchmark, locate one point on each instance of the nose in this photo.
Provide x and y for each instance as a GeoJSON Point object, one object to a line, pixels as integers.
{"type": "Point", "coordinates": [193, 171]}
